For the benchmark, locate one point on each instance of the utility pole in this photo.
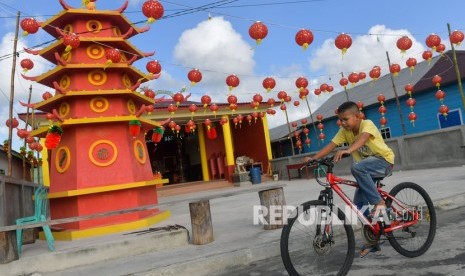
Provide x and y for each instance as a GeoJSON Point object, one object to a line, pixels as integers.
{"type": "Point", "coordinates": [345, 88]}
{"type": "Point", "coordinates": [289, 128]}
{"type": "Point", "coordinates": [397, 97]}
{"type": "Point", "coordinates": [313, 122]}
{"type": "Point", "coordinates": [457, 71]}
{"type": "Point", "coordinates": [12, 94]}
{"type": "Point", "coordinates": [27, 122]}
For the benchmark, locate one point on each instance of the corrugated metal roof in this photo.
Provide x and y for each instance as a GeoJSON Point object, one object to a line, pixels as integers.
{"type": "Point", "coordinates": [368, 92]}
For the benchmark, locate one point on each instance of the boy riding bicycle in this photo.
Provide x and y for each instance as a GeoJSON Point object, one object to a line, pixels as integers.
{"type": "Point", "coordinates": [373, 158]}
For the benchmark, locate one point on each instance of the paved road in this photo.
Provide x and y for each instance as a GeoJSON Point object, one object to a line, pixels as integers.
{"type": "Point", "coordinates": [445, 257]}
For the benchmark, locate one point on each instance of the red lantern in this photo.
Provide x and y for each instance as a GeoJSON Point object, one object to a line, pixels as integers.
{"type": "Point", "coordinates": [29, 26]}
{"type": "Point", "coordinates": [344, 82]}
{"type": "Point", "coordinates": [411, 63]}
{"type": "Point", "coordinates": [411, 102]}
{"type": "Point", "coordinates": [394, 69]}
{"type": "Point", "coordinates": [404, 43]}
{"type": "Point", "coordinates": [212, 134]}
{"type": "Point", "coordinates": [432, 41]}
{"type": "Point", "coordinates": [232, 99]}
{"type": "Point", "coordinates": [437, 81]}
{"type": "Point", "coordinates": [14, 123]}
{"type": "Point", "coordinates": [255, 116]}
{"type": "Point", "coordinates": [153, 67]}
{"type": "Point", "coordinates": [224, 120]}
{"type": "Point", "coordinates": [232, 81]}
{"type": "Point", "coordinates": [294, 124]}
{"type": "Point", "coordinates": [194, 76]}
{"type": "Point", "coordinates": [306, 131]}
{"type": "Point", "coordinates": [303, 94]}
{"type": "Point", "coordinates": [22, 133]}
{"type": "Point", "coordinates": [298, 143]}
{"type": "Point", "coordinates": [27, 64]}
{"type": "Point", "coordinates": [214, 108]}
{"type": "Point", "coordinates": [47, 95]}
{"type": "Point", "coordinates": [282, 95]}
{"type": "Point", "coordinates": [308, 142]}
{"type": "Point", "coordinates": [206, 100]}
{"type": "Point", "coordinates": [353, 78]}
{"type": "Point", "coordinates": [321, 136]}
{"type": "Point", "coordinates": [381, 98]}
{"type": "Point", "coordinates": [319, 117]}
{"type": "Point", "coordinates": [153, 10]}
{"type": "Point", "coordinates": [362, 76]}
{"type": "Point", "coordinates": [258, 98]}
{"type": "Point", "coordinates": [444, 110]}
{"type": "Point", "coordinates": [296, 103]}
{"type": "Point", "coordinates": [191, 125]}
{"type": "Point", "coordinates": [382, 110]}
{"type": "Point", "coordinates": [456, 37]}
{"type": "Point", "coordinates": [176, 129]}
{"type": "Point", "coordinates": [30, 139]}
{"type": "Point", "coordinates": [440, 48]}
{"type": "Point", "coordinates": [360, 105]}
{"type": "Point", "coordinates": [178, 98]}
{"type": "Point", "coordinates": [304, 38]}
{"type": "Point", "coordinates": [374, 74]}
{"type": "Point", "coordinates": [287, 99]}
{"type": "Point", "coordinates": [409, 89]}
{"type": "Point", "coordinates": [303, 121]}
{"type": "Point", "coordinates": [240, 118]}
{"type": "Point", "coordinates": [157, 134]}
{"type": "Point", "coordinates": [172, 125]}
{"type": "Point", "coordinates": [208, 123]}
{"type": "Point", "coordinates": [343, 42]}
{"type": "Point", "coordinates": [283, 107]}
{"type": "Point", "coordinates": [269, 83]}
{"type": "Point", "coordinates": [324, 87]}
{"type": "Point", "coordinates": [412, 117]}
{"type": "Point", "coordinates": [249, 119]}
{"type": "Point", "coordinates": [53, 137]}
{"type": "Point", "coordinates": [427, 55]}
{"type": "Point", "coordinates": [317, 91]}
{"type": "Point", "coordinates": [258, 31]}
{"type": "Point", "coordinates": [113, 56]}
{"type": "Point", "coordinates": [49, 116]}
{"type": "Point", "coordinates": [148, 92]}
{"type": "Point", "coordinates": [440, 95]}
{"type": "Point", "coordinates": [71, 41]}
{"type": "Point", "coordinates": [271, 102]}
{"type": "Point", "coordinates": [192, 109]}
{"type": "Point", "coordinates": [330, 88]}
{"type": "Point", "coordinates": [383, 122]}
{"type": "Point", "coordinates": [149, 109]}
{"type": "Point", "coordinates": [233, 107]}
{"type": "Point", "coordinates": [134, 128]}
{"type": "Point", "coordinates": [172, 108]}
{"type": "Point", "coordinates": [301, 83]}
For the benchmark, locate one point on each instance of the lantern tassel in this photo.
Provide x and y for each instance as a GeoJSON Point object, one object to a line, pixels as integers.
{"type": "Point", "coordinates": [107, 64]}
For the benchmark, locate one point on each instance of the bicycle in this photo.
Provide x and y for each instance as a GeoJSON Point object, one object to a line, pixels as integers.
{"type": "Point", "coordinates": [318, 238]}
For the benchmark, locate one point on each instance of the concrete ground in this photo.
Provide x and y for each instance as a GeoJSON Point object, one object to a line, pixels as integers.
{"type": "Point", "coordinates": [238, 241]}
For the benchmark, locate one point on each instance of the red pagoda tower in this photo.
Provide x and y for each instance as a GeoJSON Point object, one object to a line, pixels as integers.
{"type": "Point", "coordinates": [101, 163]}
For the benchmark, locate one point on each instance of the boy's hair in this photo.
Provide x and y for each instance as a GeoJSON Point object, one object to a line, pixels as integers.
{"type": "Point", "coordinates": [347, 106]}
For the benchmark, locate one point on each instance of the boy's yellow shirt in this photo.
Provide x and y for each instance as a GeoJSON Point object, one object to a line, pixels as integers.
{"type": "Point", "coordinates": [375, 146]}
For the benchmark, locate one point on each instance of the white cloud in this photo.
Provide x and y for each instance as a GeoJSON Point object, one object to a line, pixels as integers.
{"type": "Point", "coordinates": [218, 50]}
{"type": "Point", "coordinates": [366, 51]}
{"type": "Point", "coordinates": [21, 91]}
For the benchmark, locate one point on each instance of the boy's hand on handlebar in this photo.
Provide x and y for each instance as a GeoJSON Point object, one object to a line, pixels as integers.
{"type": "Point", "coordinates": [308, 160]}
{"type": "Point", "coordinates": [339, 155]}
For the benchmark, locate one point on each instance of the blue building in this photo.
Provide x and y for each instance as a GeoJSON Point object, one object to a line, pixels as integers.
{"type": "Point", "coordinates": [398, 123]}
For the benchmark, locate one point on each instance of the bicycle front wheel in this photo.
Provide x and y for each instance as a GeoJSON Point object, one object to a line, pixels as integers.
{"type": "Point", "coordinates": [415, 240]}
{"type": "Point", "coordinates": [317, 241]}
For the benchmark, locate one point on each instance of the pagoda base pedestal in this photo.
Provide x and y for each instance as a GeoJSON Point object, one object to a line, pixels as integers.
{"type": "Point", "coordinates": [69, 235]}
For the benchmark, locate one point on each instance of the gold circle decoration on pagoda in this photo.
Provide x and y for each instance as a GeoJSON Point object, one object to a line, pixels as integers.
{"type": "Point", "coordinates": [99, 104]}
{"type": "Point", "coordinates": [95, 51]}
{"type": "Point", "coordinates": [68, 29]}
{"type": "Point", "coordinates": [103, 153]}
{"type": "Point", "coordinates": [127, 81]}
{"type": "Point", "coordinates": [97, 77]}
{"type": "Point", "coordinates": [94, 26]}
{"type": "Point", "coordinates": [65, 81]}
{"type": "Point", "coordinates": [139, 151]}
{"type": "Point", "coordinates": [64, 109]}
{"type": "Point", "coordinates": [62, 159]}
{"type": "Point", "coordinates": [116, 31]}
{"type": "Point", "coordinates": [131, 106]}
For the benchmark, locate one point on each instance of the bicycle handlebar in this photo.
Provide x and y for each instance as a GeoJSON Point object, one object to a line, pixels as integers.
{"type": "Point", "coordinates": [327, 161]}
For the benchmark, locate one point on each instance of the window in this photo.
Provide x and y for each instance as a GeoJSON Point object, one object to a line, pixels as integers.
{"type": "Point", "coordinates": [386, 132]}
{"type": "Point", "coordinates": [454, 118]}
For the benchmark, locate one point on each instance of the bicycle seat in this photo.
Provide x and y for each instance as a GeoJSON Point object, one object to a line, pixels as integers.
{"type": "Point", "coordinates": [376, 179]}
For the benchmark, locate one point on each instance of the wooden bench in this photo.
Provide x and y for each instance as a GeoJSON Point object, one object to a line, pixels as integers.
{"type": "Point", "coordinates": [297, 167]}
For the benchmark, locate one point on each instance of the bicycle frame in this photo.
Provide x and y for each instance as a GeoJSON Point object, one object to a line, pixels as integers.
{"type": "Point", "coordinates": [334, 182]}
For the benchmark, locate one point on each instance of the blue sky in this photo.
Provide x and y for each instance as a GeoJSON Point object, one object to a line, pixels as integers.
{"type": "Point", "coordinates": [222, 46]}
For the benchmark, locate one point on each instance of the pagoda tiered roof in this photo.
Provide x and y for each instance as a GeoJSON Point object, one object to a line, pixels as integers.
{"type": "Point", "coordinates": [63, 18]}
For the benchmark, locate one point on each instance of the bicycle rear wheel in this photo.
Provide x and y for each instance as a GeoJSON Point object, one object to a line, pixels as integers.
{"type": "Point", "coordinates": [313, 245]}
{"type": "Point", "coordinates": [415, 240]}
